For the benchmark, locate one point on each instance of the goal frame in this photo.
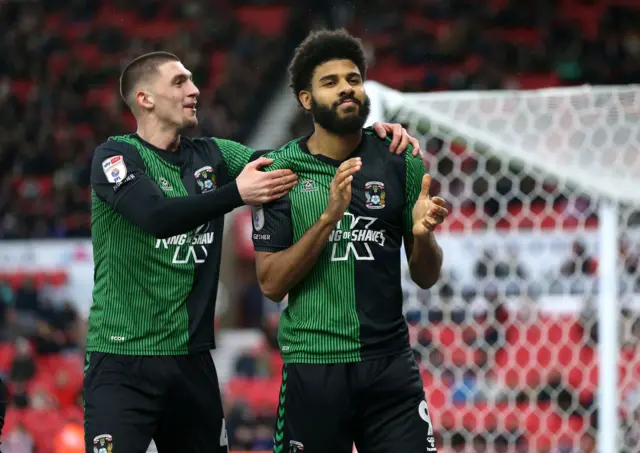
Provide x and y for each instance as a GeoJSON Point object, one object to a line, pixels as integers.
{"type": "Point", "coordinates": [384, 99]}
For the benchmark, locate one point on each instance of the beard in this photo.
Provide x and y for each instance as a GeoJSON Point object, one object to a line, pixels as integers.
{"type": "Point", "coordinates": [328, 118]}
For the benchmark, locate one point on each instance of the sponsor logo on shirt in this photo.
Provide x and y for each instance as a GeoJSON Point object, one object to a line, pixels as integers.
{"type": "Point", "coordinates": [359, 234]}
{"type": "Point", "coordinates": [189, 247]}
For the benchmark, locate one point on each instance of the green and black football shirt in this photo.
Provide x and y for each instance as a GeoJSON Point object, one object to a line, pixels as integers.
{"type": "Point", "coordinates": [348, 308]}
{"type": "Point", "coordinates": [157, 222]}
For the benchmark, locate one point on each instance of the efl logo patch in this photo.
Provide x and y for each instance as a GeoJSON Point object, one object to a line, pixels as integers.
{"type": "Point", "coordinates": [205, 178]}
{"type": "Point", "coordinates": [114, 169]}
{"type": "Point", "coordinates": [375, 195]}
{"type": "Point", "coordinates": [103, 443]}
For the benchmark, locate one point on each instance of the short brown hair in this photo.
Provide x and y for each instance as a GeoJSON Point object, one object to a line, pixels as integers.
{"type": "Point", "coordinates": [139, 68]}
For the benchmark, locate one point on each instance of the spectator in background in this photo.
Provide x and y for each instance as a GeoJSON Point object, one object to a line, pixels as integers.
{"type": "Point", "coordinates": [19, 396]}
{"type": "Point", "coordinates": [27, 300]}
{"type": "Point", "coordinates": [580, 263]}
{"type": "Point", "coordinates": [19, 440]}
{"type": "Point", "coordinates": [23, 367]}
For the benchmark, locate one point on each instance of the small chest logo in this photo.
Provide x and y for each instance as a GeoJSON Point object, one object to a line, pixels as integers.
{"type": "Point", "coordinates": [308, 185]}
{"type": "Point", "coordinates": [164, 184]}
{"type": "Point", "coordinates": [206, 179]}
{"type": "Point", "coordinates": [375, 195]}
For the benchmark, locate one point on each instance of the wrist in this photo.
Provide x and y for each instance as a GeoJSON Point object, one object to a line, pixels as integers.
{"type": "Point", "coordinates": [326, 220]}
{"type": "Point", "coordinates": [424, 240]}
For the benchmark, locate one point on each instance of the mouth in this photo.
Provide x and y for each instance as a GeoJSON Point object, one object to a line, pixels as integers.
{"type": "Point", "coordinates": [349, 102]}
{"type": "Point", "coordinates": [191, 106]}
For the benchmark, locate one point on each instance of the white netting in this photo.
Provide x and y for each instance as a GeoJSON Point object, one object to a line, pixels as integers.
{"type": "Point", "coordinates": [508, 339]}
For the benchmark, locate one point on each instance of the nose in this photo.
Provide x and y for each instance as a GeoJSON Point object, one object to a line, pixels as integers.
{"type": "Point", "coordinates": [346, 90]}
{"type": "Point", "coordinates": [193, 90]}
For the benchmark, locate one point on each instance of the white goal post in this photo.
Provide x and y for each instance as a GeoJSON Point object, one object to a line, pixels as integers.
{"type": "Point", "coordinates": [531, 177]}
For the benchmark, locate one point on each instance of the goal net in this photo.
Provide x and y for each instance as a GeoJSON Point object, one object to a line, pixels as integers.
{"type": "Point", "coordinates": [530, 341]}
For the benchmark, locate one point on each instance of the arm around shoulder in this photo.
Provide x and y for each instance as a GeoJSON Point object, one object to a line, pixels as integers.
{"type": "Point", "coordinates": [119, 178]}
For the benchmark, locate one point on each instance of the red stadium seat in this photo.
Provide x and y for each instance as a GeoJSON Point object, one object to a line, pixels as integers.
{"type": "Point", "coordinates": [529, 37]}
{"type": "Point", "coordinates": [266, 19]}
{"type": "Point", "coordinates": [21, 88]}
{"type": "Point", "coordinates": [7, 353]}
{"type": "Point", "coordinates": [110, 15]}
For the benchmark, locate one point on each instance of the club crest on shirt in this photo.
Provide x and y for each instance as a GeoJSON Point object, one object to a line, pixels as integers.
{"type": "Point", "coordinates": [375, 195]}
{"type": "Point", "coordinates": [257, 213]}
{"type": "Point", "coordinates": [205, 178]}
{"type": "Point", "coordinates": [103, 444]}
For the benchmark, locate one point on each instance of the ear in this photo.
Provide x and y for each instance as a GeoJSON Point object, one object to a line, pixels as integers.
{"type": "Point", "coordinates": [305, 99]}
{"type": "Point", "coordinates": [145, 99]}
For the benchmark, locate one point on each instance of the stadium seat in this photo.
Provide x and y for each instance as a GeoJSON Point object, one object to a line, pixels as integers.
{"type": "Point", "coordinates": [256, 392]}
{"type": "Point", "coordinates": [21, 88]}
{"type": "Point", "coordinates": [265, 19]}
{"type": "Point", "coordinates": [7, 353]}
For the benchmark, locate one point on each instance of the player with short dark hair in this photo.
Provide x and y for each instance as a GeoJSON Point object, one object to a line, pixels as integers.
{"type": "Point", "coordinates": [333, 244]}
{"type": "Point", "coordinates": [158, 205]}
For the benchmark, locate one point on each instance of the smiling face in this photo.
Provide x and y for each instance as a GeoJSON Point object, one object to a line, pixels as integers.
{"type": "Point", "coordinates": [337, 99]}
{"type": "Point", "coordinates": [170, 96]}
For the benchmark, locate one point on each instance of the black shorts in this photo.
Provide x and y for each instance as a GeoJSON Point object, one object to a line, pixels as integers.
{"type": "Point", "coordinates": [378, 404]}
{"type": "Point", "coordinates": [174, 400]}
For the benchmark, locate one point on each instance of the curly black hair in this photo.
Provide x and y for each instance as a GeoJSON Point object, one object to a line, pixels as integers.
{"type": "Point", "coordinates": [322, 46]}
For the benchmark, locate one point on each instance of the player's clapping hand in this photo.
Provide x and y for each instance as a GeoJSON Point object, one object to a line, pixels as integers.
{"type": "Point", "coordinates": [340, 189]}
{"type": "Point", "coordinates": [428, 212]}
{"type": "Point", "coordinates": [400, 138]}
{"type": "Point", "coordinates": [258, 187]}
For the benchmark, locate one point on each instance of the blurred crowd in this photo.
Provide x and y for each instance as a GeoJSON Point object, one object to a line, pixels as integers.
{"type": "Point", "coordinates": [39, 329]}
{"type": "Point", "coordinates": [59, 93]}
{"type": "Point", "coordinates": [434, 45]}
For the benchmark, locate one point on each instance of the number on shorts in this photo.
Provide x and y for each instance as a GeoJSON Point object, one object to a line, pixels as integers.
{"type": "Point", "coordinates": [424, 415]}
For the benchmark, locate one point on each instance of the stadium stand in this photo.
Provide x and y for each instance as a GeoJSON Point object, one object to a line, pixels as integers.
{"type": "Point", "coordinates": [57, 90]}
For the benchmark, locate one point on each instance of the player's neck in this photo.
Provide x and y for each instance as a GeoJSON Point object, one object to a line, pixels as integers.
{"type": "Point", "coordinates": [337, 147]}
{"type": "Point", "coordinates": [167, 139]}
